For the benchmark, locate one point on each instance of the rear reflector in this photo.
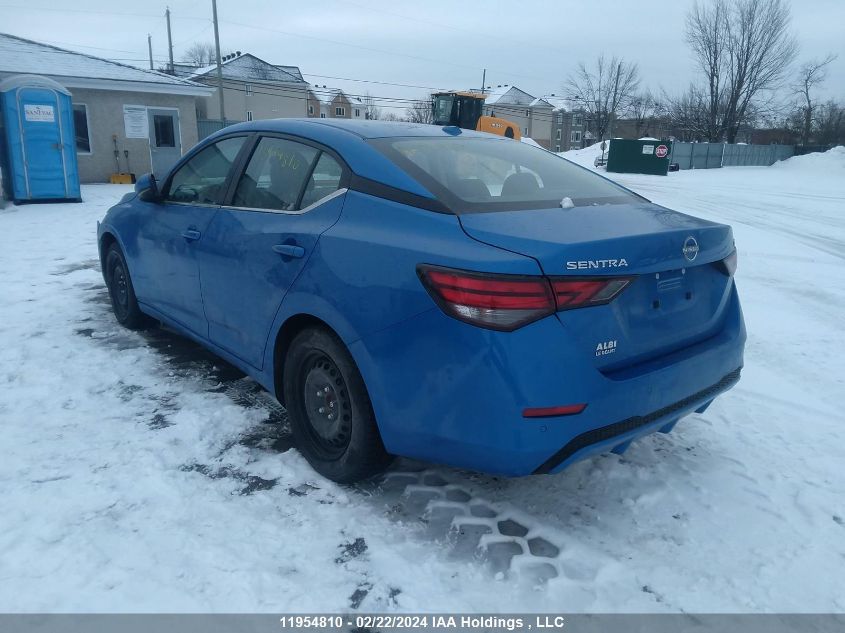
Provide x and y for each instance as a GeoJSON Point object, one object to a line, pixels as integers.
{"type": "Point", "coordinates": [506, 302]}
{"type": "Point", "coordinates": [548, 412]}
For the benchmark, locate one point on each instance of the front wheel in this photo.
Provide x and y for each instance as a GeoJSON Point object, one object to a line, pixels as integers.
{"type": "Point", "coordinates": [121, 292]}
{"type": "Point", "coordinates": [330, 412]}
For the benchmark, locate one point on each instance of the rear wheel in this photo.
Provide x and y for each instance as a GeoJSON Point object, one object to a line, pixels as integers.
{"type": "Point", "coordinates": [330, 412]}
{"type": "Point", "coordinates": [121, 292]}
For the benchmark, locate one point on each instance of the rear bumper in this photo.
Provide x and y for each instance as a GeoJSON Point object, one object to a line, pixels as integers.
{"type": "Point", "coordinates": [447, 392]}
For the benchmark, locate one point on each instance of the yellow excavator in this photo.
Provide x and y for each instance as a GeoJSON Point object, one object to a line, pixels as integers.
{"type": "Point", "coordinates": [464, 110]}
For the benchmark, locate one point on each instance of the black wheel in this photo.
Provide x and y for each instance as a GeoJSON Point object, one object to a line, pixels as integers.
{"type": "Point", "coordinates": [329, 409]}
{"type": "Point", "coordinates": [122, 295]}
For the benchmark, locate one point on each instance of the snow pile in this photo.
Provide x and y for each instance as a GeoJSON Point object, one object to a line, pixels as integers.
{"type": "Point", "coordinates": [586, 156]}
{"type": "Point", "coordinates": [832, 159]}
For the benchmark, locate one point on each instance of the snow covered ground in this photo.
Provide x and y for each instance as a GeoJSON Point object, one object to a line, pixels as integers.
{"type": "Point", "coordinates": [140, 473]}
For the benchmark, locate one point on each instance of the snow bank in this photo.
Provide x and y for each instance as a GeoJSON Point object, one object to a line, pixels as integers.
{"type": "Point", "coordinates": [586, 156]}
{"type": "Point", "coordinates": [832, 159]}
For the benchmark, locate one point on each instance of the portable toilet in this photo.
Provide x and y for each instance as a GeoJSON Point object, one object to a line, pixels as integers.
{"type": "Point", "coordinates": [37, 140]}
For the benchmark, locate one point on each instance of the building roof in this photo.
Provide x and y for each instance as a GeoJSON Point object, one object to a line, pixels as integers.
{"type": "Point", "coordinates": [539, 102]}
{"type": "Point", "coordinates": [327, 95]}
{"type": "Point", "coordinates": [78, 70]}
{"type": "Point", "coordinates": [508, 95]}
{"type": "Point", "coordinates": [248, 67]}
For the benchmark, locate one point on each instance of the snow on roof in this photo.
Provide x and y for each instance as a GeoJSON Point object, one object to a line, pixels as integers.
{"type": "Point", "coordinates": [249, 67]}
{"type": "Point", "coordinates": [540, 102]}
{"type": "Point", "coordinates": [22, 56]}
{"type": "Point", "coordinates": [508, 95]}
{"type": "Point", "coordinates": [327, 95]}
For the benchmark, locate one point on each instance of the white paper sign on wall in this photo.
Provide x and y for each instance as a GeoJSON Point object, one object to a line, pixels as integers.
{"type": "Point", "coordinates": [135, 121]}
{"type": "Point", "coordinates": [40, 113]}
{"type": "Point", "coordinates": [648, 149]}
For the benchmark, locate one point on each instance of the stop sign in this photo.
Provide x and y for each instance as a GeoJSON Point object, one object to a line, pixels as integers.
{"type": "Point", "coordinates": [661, 151]}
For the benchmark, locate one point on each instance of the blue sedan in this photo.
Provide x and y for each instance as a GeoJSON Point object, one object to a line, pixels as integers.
{"type": "Point", "coordinates": [431, 292]}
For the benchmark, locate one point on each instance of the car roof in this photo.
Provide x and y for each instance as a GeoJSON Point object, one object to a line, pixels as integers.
{"type": "Point", "coordinates": [349, 138]}
{"type": "Point", "coordinates": [359, 127]}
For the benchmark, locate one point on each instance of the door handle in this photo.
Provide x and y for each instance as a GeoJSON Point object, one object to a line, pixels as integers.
{"type": "Point", "coordinates": [192, 235]}
{"type": "Point", "coordinates": [289, 250]}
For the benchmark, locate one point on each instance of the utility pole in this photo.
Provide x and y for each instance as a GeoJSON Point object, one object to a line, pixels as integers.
{"type": "Point", "coordinates": [169, 40]}
{"type": "Point", "coordinates": [483, 80]}
{"type": "Point", "coordinates": [219, 62]}
{"type": "Point", "coordinates": [150, 47]}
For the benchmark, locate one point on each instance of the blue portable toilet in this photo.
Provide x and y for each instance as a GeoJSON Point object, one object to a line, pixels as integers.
{"type": "Point", "coordinates": [37, 140]}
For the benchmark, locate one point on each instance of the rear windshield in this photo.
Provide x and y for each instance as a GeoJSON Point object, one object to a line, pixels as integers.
{"type": "Point", "coordinates": [478, 174]}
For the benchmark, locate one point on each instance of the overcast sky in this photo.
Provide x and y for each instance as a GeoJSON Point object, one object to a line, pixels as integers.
{"type": "Point", "coordinates": [532, 44]}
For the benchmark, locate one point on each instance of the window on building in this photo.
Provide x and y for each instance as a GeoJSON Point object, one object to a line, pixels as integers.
{"type": "Point", "coordinates": [248, 88]}
{"type": "Point", "coordinates": [322, 115]}
{"type": "Point", "coordinates": [276, 175]}
{"type": "Point", "coordinates": [559, 118]}
{"type": "Point", "coordinates": [80, 124]}
{"type": "Point", "coordinates": [340, 111]}
{"type": "Point", "coordinates": [310, 110]}
{"type": "Point", "coordinates": [165, 135]}
{"type": "Point", "coordinates": [199, 181]}
{"type": "Point", "coordinates": [557, 148]}
{"type": "Point", "coordinates": [578, 120]}
{"type": "Point", "coordinates": [575, 136]}
{"type": "Point", "coordinates": [525, 131]}
{"type": "Point", "coordinates": [357, 113]}
{"type": "Point", "coordinates": [249, 115]}
{"type": "Point", "coordinates": [559, 132]}
{"type": "Point", "coordinates": [528, 113]}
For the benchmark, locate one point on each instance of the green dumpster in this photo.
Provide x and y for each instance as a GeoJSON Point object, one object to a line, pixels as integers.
{"type": "Point", "coordinates": [639, 157]}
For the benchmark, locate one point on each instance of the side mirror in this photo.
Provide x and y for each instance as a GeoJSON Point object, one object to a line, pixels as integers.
{"type": "Point", "coordinates": [147, 188]}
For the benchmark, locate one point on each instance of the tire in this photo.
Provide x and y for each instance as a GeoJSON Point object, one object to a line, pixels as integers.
{"type": "Point", "coordinates": [330, 413]}
{"type": "Point", "coordinates": [122, 294]}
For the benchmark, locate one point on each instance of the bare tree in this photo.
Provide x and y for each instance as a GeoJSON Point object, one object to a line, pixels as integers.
{"type": "Point", "coordinates": [743, 48]}
{"type": "Point", "coordinates": [371, 110]}
{"type": "Point", "coordinates": [389, 116]}
{"type": "Point", "coordinates": [420, 112]}
{"type": "Point", "coordinates": [605, 89]}
{"type": "Point", "coordinates": [829, 128]}
{"type": "Point", "coordinates": [688, 115]}
{"type": "Point", "coordinates": [643, 109]}
{"type": "Point", "coordinates": [201, 54]}
{"type": "Point", "coordinates": [706, 33]}
{"type": "Point", "coordinates": [811, 74]}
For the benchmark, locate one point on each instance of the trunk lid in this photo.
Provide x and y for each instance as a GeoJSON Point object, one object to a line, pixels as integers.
{"type": "Point", "coordinates": [677, 297]}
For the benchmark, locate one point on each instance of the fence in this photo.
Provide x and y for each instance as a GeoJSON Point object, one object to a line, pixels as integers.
{"type": "Point", "coordinates": [712, 155]}
{"type": "Point", "coordinates": [207, 127]}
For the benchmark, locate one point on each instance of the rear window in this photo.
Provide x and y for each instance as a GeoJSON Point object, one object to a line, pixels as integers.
{"type": "Point", "coordinates": [477, 174]}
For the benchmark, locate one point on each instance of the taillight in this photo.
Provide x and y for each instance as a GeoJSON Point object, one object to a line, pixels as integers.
{"type": "Point", "coordinates": [498, 302]}
{"type": "Point", "coordinates": [571, 292]}
{"type": "Point", "coordinates": [506, 302]}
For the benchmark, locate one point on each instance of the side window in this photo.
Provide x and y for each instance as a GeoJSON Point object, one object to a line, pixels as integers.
{"type": "Point", "coordinates": [201, 178]}
{"type": "Point", "coordinates": [275, 175]}
{"type": "Point", "coordinates": [324, 181]}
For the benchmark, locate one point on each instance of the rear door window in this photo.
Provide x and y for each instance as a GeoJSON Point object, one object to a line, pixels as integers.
{"type": "Point", "coordinates": [324, 180]}
{"type": "Point", "coordinates": [276, 175]}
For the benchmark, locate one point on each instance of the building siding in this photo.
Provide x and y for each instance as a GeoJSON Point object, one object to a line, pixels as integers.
{"type": "Point", "coordinates": [105, 118]}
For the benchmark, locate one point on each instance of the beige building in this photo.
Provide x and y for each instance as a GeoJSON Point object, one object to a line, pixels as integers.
{"type": "Point", "coordinates": [253, 89]}
{"type": "Point", "coordinates": [332, 103]}
{"type": "Point", "coordinates": [532, 115]}
{"type": "Point", "coordinates": [147, 117]}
